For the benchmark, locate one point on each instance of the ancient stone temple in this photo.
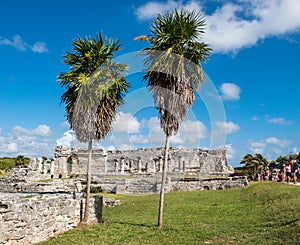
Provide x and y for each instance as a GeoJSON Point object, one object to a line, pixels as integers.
{"type": "Point", "coordinates": [140, 170]}
{"type": "Point", "coordinates": [72, 162]}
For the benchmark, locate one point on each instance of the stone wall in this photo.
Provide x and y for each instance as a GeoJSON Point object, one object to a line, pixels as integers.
{"type": "Point", "coordinates": [151, 184]}
{"type": "Point", "coordinates": [72, 162]}
{"type": "Point", "coordinates": [27, 180]}
{"type": "Point", "coordinates": [194, 184]}
{"type": "Point", "coordinates": [31, 218]}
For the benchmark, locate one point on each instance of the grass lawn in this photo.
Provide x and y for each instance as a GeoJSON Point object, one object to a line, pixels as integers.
{"type": "Point", "coordinates": [261, 213]}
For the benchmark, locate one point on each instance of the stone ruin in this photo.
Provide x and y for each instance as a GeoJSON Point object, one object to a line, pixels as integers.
{"type": "Point", "coordinates": [139, 171]}
{"type": "Point", "coordinates": [34, 199]}
{"type": "Point", "coordinates": [72, 162]}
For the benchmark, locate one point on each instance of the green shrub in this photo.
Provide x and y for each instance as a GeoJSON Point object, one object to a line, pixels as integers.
{"type": "Point", "coordinates": [93, 189]}
{"type": "Point", "coordinates": [7, 163]}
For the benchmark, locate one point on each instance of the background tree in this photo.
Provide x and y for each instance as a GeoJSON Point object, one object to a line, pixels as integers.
{"type": "Point", "coordinates": [254, 164]}
{"type": "Point", "coordinates": [174, 72]}
{"type": "Point", "coordinates": [95, 87]}
{"type": "Point", "coordinates": [21, 161]}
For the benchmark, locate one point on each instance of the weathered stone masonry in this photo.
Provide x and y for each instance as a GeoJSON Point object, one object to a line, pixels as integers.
{"type": "Point", "coordinates": [72, 162]}
{"type": "Point", "coordinates": [30, 218]}
{"type": "Point", "coordinates": [139, 171]}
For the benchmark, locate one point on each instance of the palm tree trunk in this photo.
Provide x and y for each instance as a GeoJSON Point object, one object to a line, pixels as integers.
{"type": "Point", "coordinates": [88, 184]}
{"type": "Point", "coordinates": [163, 182]}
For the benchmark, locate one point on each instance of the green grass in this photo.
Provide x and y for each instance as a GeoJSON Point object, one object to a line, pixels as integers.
{"type": "Point", "coordinates": [262, 213]}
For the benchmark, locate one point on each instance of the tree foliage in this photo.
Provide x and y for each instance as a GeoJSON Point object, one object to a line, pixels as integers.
{"type": "Point", "coordinates": [254, 163]}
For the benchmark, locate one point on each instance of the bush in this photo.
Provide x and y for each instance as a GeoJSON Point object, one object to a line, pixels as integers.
{"type": "Point", "coordinates": [93, 189]}
{"type": "Point", "coordinates": [7, 163]}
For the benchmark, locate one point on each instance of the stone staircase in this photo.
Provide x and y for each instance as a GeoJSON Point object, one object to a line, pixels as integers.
{"type": "Point", "coordinates": [138, 186]}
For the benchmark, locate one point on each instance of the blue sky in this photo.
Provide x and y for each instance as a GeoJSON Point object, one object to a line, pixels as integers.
{"type": "Point", "coordinates": [252, 91]}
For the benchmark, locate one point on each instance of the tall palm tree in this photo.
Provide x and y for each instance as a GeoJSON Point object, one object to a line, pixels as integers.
{"type": "Point", "coordinates": [174, 72]}
{"type": "Point", "coordinates": [95, 87]}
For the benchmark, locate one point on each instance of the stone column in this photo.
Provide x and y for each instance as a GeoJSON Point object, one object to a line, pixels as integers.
{"type": "Point", "coordinates": [160, 163]}
{"type": "Point", "coordinates": [139, 165]}
{"type": "Point", "coordinates": [116, 166]}
{"type": "Point", "coordinates": [155, 160]}
{"type": "Point", "coordinates": [44, 166]}
{"type": "Point", "coordinates": [122, 165]}
{"type": "Point", "coordinates": [169, 165]}
{"type": "Point", "coordinates": [130, 166]}
{"type": "Point", "coordinates": [52, 168]}
{"type": "Point", "coordinates": [151, 166]}
{"type": "Point", "coordinates": [105, 163]}
{"type": "Point", "coordinates": [40, 165]}
{"type": "Point", "coordinates": [180, 167]}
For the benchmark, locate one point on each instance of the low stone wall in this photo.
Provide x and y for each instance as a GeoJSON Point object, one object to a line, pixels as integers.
{"type": "Point", "coordinates": [31, 218]}
{"type": "Point", "coordinates": [151, 184]}
{"type": "Point", "coordinates": [218, 183]}
{"type": "Point", "coordinates": [51, 186]}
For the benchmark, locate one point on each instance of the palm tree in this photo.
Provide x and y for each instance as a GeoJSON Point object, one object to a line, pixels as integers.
{"type": "Point", "coordinates": [262, 163]}
{"type": "Point", "coordinates": [174, 72]}
{"type": "Point", "coordinates": [254, 163]}
{"type": "Point", "coordinates": [95, 88]}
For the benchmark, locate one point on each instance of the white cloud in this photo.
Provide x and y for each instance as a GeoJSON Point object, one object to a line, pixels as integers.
{"type": "Point", "coordinates": [42, 130]}
{"type": "Point", "coordinates": [139, 139]}
{"type": "Point", "coordinates": [150, 9]}
{"type": "Point", "coordinates": [124, 147]}
{"type": "Point", "coordinates": [230, 151]}
{"type": "Point", "coordinates": [230, 91]}
{"type": "Point", "coordinates": [15, 42]}
{"type": "Point", "coordinates": [67, 139]}
{"type": "Point", "coordinates": [279, 120]}
{"type": "Point", "coordinates": [192, 132]}
{"type": "Point", "coordinates": [39, 47]}
{"type": "Point", "coordinates": [257, 147]}
{"type": "Point", "coordinates": [277, 150]}
{"type": "Point", "coordinates": [227, 127]}
{"type": "Point", "coordinates": [156, 134]}
{"type": "Point", "coordinates": [267, 144]}
{"type": "Point", "coordinates": [236, 25]}
{"type": "Point", "coordinates": [150, 133]}
{"type": "Point", "coordinates": [18, 43]}
{"type": "Point", "coordinates": [65, 124]}
{"type": "Point", "coordinates": [29, 142]}
{"type": "Point", "coordinates": [12, 148]}
{"type": "Point", "coordinates": [255, 118]}
{"type": "Point", "coordinates": [126, 123]}
{"type": "Point", "coordinates": [111, 148]}
{"type": "Point", "coordinates": [276, 141]}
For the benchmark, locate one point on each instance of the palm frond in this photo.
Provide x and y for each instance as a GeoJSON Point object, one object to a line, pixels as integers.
{"type": "Point", "coordinates": [95, 86]}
